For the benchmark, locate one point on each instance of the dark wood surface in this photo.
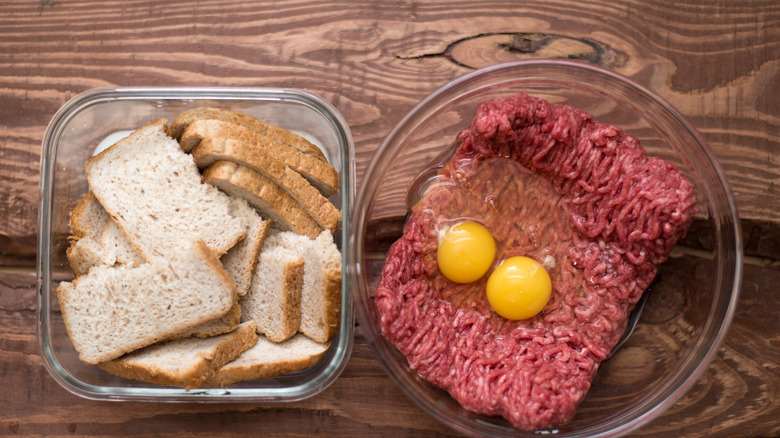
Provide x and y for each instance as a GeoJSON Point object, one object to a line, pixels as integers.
{"type": "Point", "coordinates": [718, 62]}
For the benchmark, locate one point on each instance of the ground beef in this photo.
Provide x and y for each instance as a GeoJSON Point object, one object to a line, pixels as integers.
{"type": "Point", "coordinates": [600, 218]}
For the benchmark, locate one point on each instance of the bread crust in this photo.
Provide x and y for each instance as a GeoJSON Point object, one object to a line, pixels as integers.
{"type": "Point", "coordinates": [270, 359]}
{"type": "Point", "coordinates": [263, 194]}
{"type": "Point", "coordinates": [216, 352]}
{"type": "Point", "coordinates": [261, 161]}
{"type": "Point", "coordinates": [275, 133]}
{"type": "Point", "coordinates": [318, 172]}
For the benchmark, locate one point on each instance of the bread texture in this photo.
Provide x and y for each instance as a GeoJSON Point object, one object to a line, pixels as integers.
{"type": "Point", "coordinates": [85, 250]}
{"type": "Point", "coordinates": [321, 289]}
{"type": "Point", "coordinates": [260, 127]}
{"type": "Point", "coordinates": [318, 172]}
{"type": "Point", "coordinates": [263, 194]}
{"type": "Point", "coordinates": [113, 240]}
{"type": "Point", "coordinates": [95, 239]}
{"type": "Point", "coordinates": [185, 363]}
{"type": "Point", "coordinates": [240, 261]}
{"type": "Point", "coordinates": [113, 310]}
{"type": "Point", "coordinates": [88, 217]}
{"type": "Point", "coordinates": [270, 359]}
{"type": "Point", "coordinates": [113, 247]}
{"type": "Point", "coordinates": [260, 160]}
{"type": "Point", "coordinates": [153, 191]}
{"type": "Point", "coordinates": [274, 297]}
{"type": "Point", "coordinates": [224, 324]}
{"type": "Point", "coordinates": [85, 253]}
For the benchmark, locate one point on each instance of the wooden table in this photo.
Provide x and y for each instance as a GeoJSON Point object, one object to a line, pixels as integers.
{"type": "Point", "coordinates": [717, 62]}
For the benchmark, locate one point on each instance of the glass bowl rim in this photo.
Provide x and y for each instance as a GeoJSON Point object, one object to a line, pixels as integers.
{"type": "Point", "coordinates": [411, 121]}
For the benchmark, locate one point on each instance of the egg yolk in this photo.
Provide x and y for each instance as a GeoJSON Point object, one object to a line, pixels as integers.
{"type": "Point", "coordinates": [518, 288]}
{"type": "Point", "coordinates": [466, 252]}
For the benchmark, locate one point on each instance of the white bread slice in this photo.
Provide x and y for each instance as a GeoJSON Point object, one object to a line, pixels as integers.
{"type": "Point", "coordinates": [152, 190]}
{"type": "Point", "coordinates": [240, 261]}
{"type": "Point", "coordinates": [263, 194]}
{"type": "Point", "coordinates": [114, 247]}
{"type": "Point", "coordinates": [321, 291]}
{"type": "Point", "coordinates": [186, 363]}
{"type": "Point", "coordinates": [270, 359]}
{"type": "Point", "coordinates": [113, 310]}
{"type": "Point", "coordinates": [260, 160]}
{"type": "Point", "coordinates": [272, 132]}
{"type": "Point", "coordinates": [274, 297]}
{"type": "Point", "coordinates": [320, 173]}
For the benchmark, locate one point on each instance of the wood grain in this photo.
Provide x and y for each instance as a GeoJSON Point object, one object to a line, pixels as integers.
{"type": "Point", "coordinates": [735, 397]}
{"type": "Point", "coordinates": [717, 62]}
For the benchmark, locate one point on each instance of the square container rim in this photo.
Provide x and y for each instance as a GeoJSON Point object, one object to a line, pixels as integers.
{"type": "Point", "coordinates": [83, 100]}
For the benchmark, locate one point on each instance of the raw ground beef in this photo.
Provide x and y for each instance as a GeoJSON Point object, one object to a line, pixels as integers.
{"type": "Point", "coordinates": [601, 218]}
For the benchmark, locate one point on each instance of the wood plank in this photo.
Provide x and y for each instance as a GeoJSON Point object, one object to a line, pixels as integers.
{"type": "Point", "coordinates": [717, 62]}
{"type": "Point", "coordinates": [374, 60]}
{"type": "Point", "coordinates": [735, 397]}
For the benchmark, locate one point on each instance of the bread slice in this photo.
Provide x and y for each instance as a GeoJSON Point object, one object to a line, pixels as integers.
{"type": "Point", "coordinates": [263, 194]}
{"type": "Point", "coordinates": [274, 297]}
{"type": "Point", "coordinates": [321, 290]}
{"type": "Point", "coordinates": [260, 160]}
{"type": "Point", "coordinates": [318, 172]}
{"type": "Point", "coordinates": [272, 132]}
{"type": "Point", "coordinates": [186, 363]}
{"type": "Point", "coordinates": [240, 261]}
{"type": "Point", "coordinates": [152, 190]}
{"type": "Point", "coordinates": [113, 310]}
{"type": "Point", "coordinates": [270, 359]}
{"type": "Point", "coordinates": [113, 247]}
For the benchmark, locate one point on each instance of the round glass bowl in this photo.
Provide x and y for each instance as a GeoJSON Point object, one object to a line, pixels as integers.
{"type": "Point", "coordinates": [690, 303]}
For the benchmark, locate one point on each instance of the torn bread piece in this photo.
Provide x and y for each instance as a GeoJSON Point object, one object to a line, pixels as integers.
{"type": "Point", "coordinates": [153, 191]}
{"type": "Point", "coordinates": [113, 310]}
{"type": "Point", "coordinates": [318, 172]}
{"type": "Point", "coordinates": [262, 161]}
{"type": "Point", "coordinates": [270, 359]}
{"type": "Point", "coordinates": [186, 363]}
{"type": "Point", "coordinates": [272, 132]}
{"type": "Point", "coordinates": [88, 217]}
{"type": "Point", "coordinates": [263, 194]}
{"type": "Point", "coordinates": [274, 297]}
{"type": "Point", "coordinates": [321, 289]}
{"type": "Point", "coordinates": [85, 250]}
{"type": "Point", "coordinates": [113, 239]}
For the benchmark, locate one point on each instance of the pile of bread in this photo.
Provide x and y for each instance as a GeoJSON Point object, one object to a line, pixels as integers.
{"type": "Point", "coordinates": [204, 253]}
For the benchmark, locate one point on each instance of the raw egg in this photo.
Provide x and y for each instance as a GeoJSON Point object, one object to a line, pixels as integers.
{"type": "Point", "coordinates": [466, 252]}
{"type": "Point", "coordinates": [518, 288]}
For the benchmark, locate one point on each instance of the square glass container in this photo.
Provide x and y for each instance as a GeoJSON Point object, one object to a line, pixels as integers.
{"type": "Point", "coordinates": [99, 117]}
